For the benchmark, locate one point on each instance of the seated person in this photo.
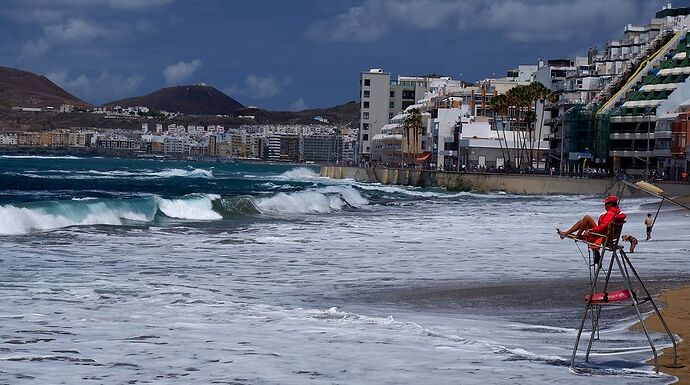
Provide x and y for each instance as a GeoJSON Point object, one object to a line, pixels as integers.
{"type": "Point", "coordinates": [587, 225]}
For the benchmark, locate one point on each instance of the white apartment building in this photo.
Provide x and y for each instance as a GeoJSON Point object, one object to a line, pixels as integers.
{"type": "Point", "coordinates": [374, 107]}
{"type": "Point", "coordinates": [8, 139]}
{"type": "Point", "coordinates": [381, 99]}
{"type": "Point", "coordinates": [173, 145]}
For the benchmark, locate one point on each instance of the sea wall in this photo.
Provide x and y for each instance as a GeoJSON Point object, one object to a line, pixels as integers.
{"type": "Point", "coordinates": [485, 182]}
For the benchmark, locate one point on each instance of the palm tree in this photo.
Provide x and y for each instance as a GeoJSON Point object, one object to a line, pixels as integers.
{"type": "Point", "coordinates": [519, 99]}
{"type": "Point", "coordinates": [412, 129]}
{"type": "Point", "coordinates": [541, 94]}
{"type": "Point", "coordinates": [500, 105]}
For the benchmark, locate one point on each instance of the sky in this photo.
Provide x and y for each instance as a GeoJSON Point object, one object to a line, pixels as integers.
{"type": "Point", "coordinates": [295, 54]}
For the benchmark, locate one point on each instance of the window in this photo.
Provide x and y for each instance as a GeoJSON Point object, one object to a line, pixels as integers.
{"type": "Point", "coordinates": [365, 126]}
{"type": "Point", "coordinates": [365, 137]}
{"type": "Point", "coordinates": [367, 94]}
{"type": "Point", "coordinates": [365, 115]}
{"type": "Point", "coordinates": [390, 116]}
{"type": "Point", "coordinates": [391, 105]}
{"type": "Point", "coordinates": [366, 105]}
{"type": "Point", "coordinates": [392, 94]}
{"type": "Point", "coordinates": [367, 82]}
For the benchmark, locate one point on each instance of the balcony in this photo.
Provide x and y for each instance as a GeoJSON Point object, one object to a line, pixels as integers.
{"type": "Point", "coordinates": [631, 154]}
{"type": "Point", "coordinates": [662, 134]}
{"type": "Point", "coordinates": [631, 136]}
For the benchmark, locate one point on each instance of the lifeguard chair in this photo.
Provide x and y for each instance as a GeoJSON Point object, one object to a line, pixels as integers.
{"type": "Point", "coordinates": [607, 248]}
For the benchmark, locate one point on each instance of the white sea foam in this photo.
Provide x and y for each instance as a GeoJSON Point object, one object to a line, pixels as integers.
{"type": "Point", "coordinates": [39, 157]}
{"type": "Point", "coordinates": [116, 174]}
{"type": "Point", "coordinates": [300, 173]}
{"type": "Point", "coordinates": [347, 193]}
{"type": "Point", "coordinates": [89, 211]}
{"type": "Point", "coordinates": [176, 172]}
{"type": "Point", "coordinates": [22, 220]}
{"type": "Point", "coordinates": [411, 191]}
{"type": "Point", "coordinates": [193, 207]}
{"type": "Point", "coordinates": [299, 202]}
{"type": "Point", "coordinates": [322, 200]}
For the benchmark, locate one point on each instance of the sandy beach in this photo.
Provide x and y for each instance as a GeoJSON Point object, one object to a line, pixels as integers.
{"type": "Point", "coordinates": [676, 312]}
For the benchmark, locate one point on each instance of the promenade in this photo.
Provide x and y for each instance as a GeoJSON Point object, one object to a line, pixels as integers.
{"type": "Point", "coordinates": [523, 184]}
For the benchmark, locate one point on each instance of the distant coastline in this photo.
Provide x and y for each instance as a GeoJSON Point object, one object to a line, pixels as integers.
{"type": "Point", "coordinates": [94, 152]}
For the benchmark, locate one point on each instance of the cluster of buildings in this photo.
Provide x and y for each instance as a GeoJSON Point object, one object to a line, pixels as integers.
{"type": "Point", "coordinates": [108, 111]}
{"type": "Point", "coordinates": [624, 106]}
{"type": "Point", "coordinates": [288, 143]}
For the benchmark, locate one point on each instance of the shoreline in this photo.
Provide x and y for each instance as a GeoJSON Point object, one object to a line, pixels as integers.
{"type": "Point", "coordinates": [676, 313]}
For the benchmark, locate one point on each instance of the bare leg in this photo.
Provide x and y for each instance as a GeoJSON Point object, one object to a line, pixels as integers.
{"type": "Point", "coordinates": [586, 223]}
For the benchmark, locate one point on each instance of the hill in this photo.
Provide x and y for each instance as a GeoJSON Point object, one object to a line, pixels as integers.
{"type": "Point", "coordinates": [344, 114]}
{"type": "Point", "coordinates": [191, 100]}
{"type": "Point", "coordinates": [25, 89]}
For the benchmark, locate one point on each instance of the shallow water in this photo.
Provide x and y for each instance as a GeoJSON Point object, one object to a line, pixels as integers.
{"type": "Point", "coordinates": [144, 271]}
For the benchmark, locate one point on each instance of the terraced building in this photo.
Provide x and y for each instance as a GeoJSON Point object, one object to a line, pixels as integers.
{"type": "Point", "coordinates": [636, 143]}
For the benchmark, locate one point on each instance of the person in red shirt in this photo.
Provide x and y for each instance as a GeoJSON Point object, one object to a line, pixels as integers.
{"type": "Point", "coordinates": [587, 225]}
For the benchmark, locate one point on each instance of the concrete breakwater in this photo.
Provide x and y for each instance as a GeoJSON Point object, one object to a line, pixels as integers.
{"type": "Point", "coordinates": [485, 182]}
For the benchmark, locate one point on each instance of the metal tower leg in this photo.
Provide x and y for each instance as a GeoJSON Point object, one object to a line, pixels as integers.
{"type": "Point", "coordinates": [606, 286]}
{"type": "Point", "coordinates": [633, 298]}
{"type": "Point", "coordinates": [626, 260]}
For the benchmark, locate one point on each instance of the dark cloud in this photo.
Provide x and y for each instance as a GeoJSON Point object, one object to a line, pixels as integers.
{"type": "Point", "coordinates": [518, 20]}
{"type": "Point", "coordinates": [282, 53]}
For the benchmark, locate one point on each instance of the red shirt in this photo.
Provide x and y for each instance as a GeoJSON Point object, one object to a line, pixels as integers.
{"type": "Point", "coordinates": [605, 219]}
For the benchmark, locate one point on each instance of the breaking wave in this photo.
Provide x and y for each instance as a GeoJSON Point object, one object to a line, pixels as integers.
{"type": "Point", "coordinates": [39, 157]}
{"type": "Point", "coordinates": [50, 215]}
{"type": "Point", "coordinates": [300, 173]}
{"type": "Point", "coordinates": [116, 174]}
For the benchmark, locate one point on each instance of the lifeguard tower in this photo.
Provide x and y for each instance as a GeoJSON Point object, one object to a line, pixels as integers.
{"type": "Point", "coordinates": [607, 258]}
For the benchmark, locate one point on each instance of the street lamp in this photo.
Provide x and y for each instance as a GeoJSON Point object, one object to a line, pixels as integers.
{"type": "Point", "coordinates": [560, 118]}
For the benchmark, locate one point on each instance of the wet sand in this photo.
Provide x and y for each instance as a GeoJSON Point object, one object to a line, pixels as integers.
{"type": "Point", "coordinates": [676, 312]}
{"type": "Point", "coordinates": [547, 302]}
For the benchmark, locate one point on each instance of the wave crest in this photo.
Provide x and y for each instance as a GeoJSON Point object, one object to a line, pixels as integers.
{"type": "Point", "coordinates": [116, 174]}
{"type": "Point", "coordinates": [300, 173]}
{"type": "Point", "coordinates": [196, 207]}
{"type": "Point", "coordinates": [50, 215]}
{"type": "Point", "coordinates": [323, 200]}
{"type": "Point", "coordinates": [58, 214]}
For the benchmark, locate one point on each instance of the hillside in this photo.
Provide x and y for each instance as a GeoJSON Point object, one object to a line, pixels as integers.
{"type": "Point", "coordinates": [190, 100]}
{"type": "Point", "coordinates": [201, 104]}
{"type": "Point", "coordinates": [344, 114]}
{"type": "Point", "coordinates": [25, 89]}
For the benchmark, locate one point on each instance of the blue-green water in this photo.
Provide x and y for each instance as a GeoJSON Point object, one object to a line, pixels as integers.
{"type": "Point", "coordinates": [146, 271]}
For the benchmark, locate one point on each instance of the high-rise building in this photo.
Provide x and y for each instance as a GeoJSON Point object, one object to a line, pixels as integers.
{"type": "Point", "coordinates": [380, 100]}
{"type": "Point", "coordinates": [374, 108]}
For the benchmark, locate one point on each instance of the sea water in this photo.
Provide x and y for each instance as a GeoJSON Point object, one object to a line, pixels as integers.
{"type": "Point", "coordinates": [149, 271]}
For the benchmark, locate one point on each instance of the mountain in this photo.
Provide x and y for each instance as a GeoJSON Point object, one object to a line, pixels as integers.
{"type": "Point", "coordinates": [344, 114]}
{"type": "Point", "coordinates": [24, 89]}
{"type": "Point", "coordinates": [201, 104]}
{"type": "Point", "coordinates": [198, 99]}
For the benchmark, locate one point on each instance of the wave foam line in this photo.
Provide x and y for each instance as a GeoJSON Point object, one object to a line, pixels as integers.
{"type": "Point", "coordinates": [38, 157]}
{"type": "Point", "coordinates": [115, 174]}
{"type": "Point", "coordinates": [54, 215]}
{"type": "Point", "coordinates": [322, 200]}
{"type": "Point", "coordinates": [51, 215]}
{"type": "Point", "coordinates": [198, 207]}
{"type": "Point", "coordinates": [300, 173]}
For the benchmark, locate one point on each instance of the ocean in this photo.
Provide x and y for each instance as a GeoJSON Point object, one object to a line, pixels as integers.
{"type": "Point", "coordinates": [145, 271]}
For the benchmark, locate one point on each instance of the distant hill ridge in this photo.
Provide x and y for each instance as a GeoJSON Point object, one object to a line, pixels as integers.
{"type": "Point", "coordinates": [25, 89]}
{"type": "Point", "coordinates": [199, 99]}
